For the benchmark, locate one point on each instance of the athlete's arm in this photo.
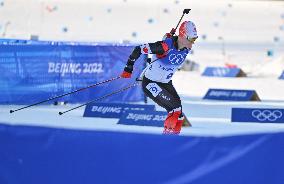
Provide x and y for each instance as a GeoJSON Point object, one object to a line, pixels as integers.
{"type": "Point", "coordinates": [159, 48]}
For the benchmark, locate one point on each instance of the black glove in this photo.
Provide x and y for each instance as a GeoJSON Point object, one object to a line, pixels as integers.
{"type": "Point", "coordinates": [128, 69]}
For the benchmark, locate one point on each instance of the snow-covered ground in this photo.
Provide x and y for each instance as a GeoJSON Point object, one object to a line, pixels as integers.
{"type": "Point", "coordinates": [193, 84]}
{"type": "Point", "coordinates": [140, 21]}
{"type": "Point", "coordinates": [209, 118]}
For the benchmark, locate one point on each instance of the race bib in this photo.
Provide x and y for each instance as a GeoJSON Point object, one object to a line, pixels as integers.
{"type": "Point", "coordinates": [154, 89]}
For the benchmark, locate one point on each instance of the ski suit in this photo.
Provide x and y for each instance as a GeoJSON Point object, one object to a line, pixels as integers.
{"type": "Point", "coordinates": [156, 82]}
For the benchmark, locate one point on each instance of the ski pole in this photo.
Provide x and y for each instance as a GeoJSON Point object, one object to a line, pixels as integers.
{"type": "Point", "coordinates": [185, 11]}
{"type": "Point", "coordinates": [100, 98]}
{"type": "Point", "coordinates": [59, 96]}
{"type": "Point", "coordinates": [173, 31]}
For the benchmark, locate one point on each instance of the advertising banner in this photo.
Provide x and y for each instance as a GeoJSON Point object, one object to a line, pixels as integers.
{"type": "Point", "coordinates": [223, 72]}
{"type": "Point", "coordinates": [34, 71]}
{"type": "Point", "coordinates": [113, 110]}
{"type": "Point", "coordinates": [257, 115]}
{"type": "Point", "coordinates": [231, 95]}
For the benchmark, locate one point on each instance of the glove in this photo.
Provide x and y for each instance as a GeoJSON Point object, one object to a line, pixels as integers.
{"type": "Point", "coordinates": [125, 74]}
{"type": "Point", "coordinates": [127, 71]}
{"type": "Point", "coordinates": [173, 31]}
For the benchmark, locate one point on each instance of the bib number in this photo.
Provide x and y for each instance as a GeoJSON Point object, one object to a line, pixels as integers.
{"type": "Point", "coordinates": [154, 89]}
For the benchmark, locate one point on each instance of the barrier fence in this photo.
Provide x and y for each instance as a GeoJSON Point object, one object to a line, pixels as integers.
{"type": "Point", "coordinates": [46, 155]}
{"type": "Point", "coordinates": [32, 71]}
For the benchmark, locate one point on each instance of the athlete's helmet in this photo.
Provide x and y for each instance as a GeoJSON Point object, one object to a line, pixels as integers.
{"type": "Point", "coordinates": [188, 30]}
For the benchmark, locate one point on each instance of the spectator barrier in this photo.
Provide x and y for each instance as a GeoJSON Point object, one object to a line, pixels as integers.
{"type": "Point", "coordinates": [32, 71]}
{"type": "Point", "coordinates": [143, 118]}
{"type": "Point", "coordinates": [223, 72]}
{"type": "Point", "coordinates": [43, 155]}
{"type": "Point", "coordinates": [113, 110]}
{"type": "Point", "coordinates": [231, 95]}
{"type": "Point", "coordinates": [257, 115]}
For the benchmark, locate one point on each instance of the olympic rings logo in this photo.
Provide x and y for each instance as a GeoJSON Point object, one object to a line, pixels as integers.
{"type": "Point", "coordinates": [267, 115]}
{"type": "Point", "coordinates": [176, 58]}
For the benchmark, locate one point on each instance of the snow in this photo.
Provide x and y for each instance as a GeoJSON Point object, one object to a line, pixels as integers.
{"type": "Point", "coordinates": [209, 118]}
{"type": "Point", "coordinates": [193, 84]}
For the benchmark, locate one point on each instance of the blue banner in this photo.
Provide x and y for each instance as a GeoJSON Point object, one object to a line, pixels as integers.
{"type": "Point", "coordinates": [143, 118]}
{"type": "Point", "coordinates": [38, 155]}
{"type": "Point", "coordinates": [113, 110]}
{"type": "Point", "coordinates": [231, 95]}
{"type": "Point", "coordinates": [282, 75]}
{"type": "Point", "coordinates": [35, 71]}
{"type": "Point", "coordinates": [223, 72]}
{"type": "Point", "coordinates": [257, 115]}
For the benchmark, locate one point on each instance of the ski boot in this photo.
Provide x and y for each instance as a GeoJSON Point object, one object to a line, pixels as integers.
{"type": "Point", "coordinates": [171, 123]}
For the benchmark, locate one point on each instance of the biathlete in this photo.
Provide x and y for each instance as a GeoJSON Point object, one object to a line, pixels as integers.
{"type": "Point", "coordinates": [168, 55]}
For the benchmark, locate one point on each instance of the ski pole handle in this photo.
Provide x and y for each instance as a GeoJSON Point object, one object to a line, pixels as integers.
{"type": "Point", "coordinates": [185, 11]}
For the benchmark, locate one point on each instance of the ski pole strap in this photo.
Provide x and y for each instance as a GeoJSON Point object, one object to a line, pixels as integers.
{"type": "Point", "coordinates": [100, 98]}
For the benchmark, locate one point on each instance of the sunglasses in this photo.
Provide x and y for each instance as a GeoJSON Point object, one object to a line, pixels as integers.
{"type": "Point", "coordinates": [192, 40]}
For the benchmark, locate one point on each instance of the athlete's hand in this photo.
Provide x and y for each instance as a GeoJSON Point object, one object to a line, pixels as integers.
{"type": "Point", "coordinates": [127, 71]}
{"type": "Point", "coordinates": [125, 74]}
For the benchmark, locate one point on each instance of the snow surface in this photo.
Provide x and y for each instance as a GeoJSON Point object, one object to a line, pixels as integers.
{"type": "Point", "coordinates": [209, 118]}
{"type": "Point", "coordinates": [193, 84]}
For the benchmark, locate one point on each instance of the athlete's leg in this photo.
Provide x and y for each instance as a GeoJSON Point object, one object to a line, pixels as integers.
{"type": "Point", "coordinates": [166, 96]}
{"type": "Point", "coordinates": [159, 93]}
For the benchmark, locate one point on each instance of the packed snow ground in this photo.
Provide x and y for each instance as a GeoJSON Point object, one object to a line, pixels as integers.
{"type": "Point", "coordinates": [209, 118]}
{"type": "Point", "coordinates": [193, 84]}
